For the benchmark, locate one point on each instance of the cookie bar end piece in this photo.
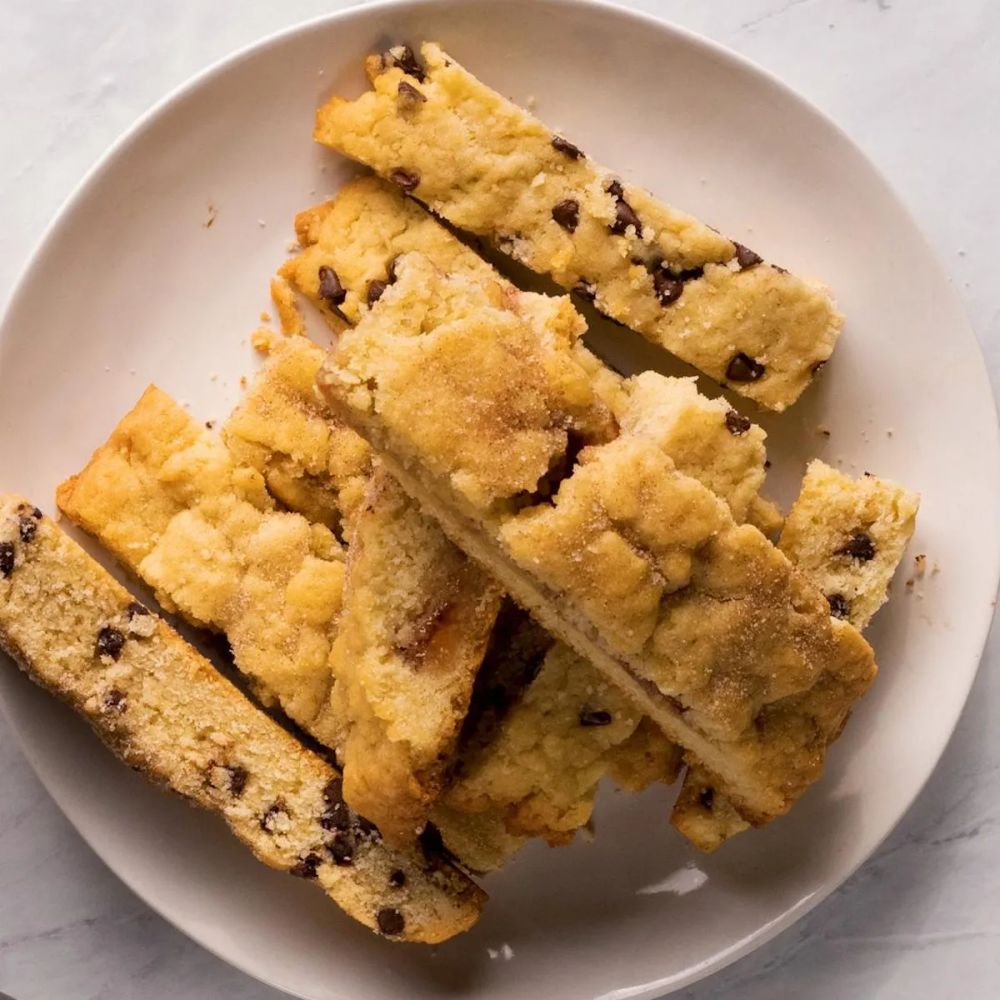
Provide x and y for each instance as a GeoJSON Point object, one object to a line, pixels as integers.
{"type": "Point", "coordinates": [848, 535]}
{"type": "Point", "coordinates": [164, 710]}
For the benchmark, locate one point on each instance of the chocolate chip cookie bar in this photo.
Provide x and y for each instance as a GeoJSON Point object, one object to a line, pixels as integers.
{"type": "Point", "coordinates": [642, 569]}
{"type": "Point", "coordinates": [164, 710]}
{"type": "Point", "coordinates": [848, 537]}
{"type": "Point", "coordinates": [168, 499]}
{"type": "Point", "coordinates": [492, 169]}
{"type": "Point", "coordinates": [418, 615]}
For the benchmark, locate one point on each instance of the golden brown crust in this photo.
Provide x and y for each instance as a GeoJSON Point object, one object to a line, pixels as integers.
{"type": "Point", "coordinates": [491, 168]}
{"type": "Point", "coordinates": [417, 618]}
{"type": "Point", "coordinates": [164, 710]}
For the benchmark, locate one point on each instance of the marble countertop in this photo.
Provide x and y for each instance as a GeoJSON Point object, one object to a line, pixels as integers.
{"type": "Point", "coordinates": [917, 84]}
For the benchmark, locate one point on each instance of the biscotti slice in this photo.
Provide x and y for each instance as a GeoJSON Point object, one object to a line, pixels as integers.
{"type": "Point", "coordinates": [474, 399]}
{"type": "Point", "coordinates": [282, 428]}
{"type": "Point", "coordinates": [168, 499]}
{"type": "Point", "coordinates": [164, 710]}
{"type": "Point", "coordinates": [543, 728]}
{"type": "Point", "coordinates": [417, 618]}
{"type": "Point", "coordinates": [489, 167]}
{"type": "Point", "coordinates": [848, 535]}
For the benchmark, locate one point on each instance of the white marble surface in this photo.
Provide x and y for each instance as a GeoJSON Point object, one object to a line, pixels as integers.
{"type": "Point", "coordinates": [917, 84]}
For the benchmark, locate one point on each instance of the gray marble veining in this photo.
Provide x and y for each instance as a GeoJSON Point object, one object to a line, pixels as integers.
{"type": "Point", "coordinates": [917, 84]}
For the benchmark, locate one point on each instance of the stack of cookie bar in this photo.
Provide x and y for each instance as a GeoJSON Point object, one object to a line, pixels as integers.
{"type": "Point", "coordinates": [467, 570]}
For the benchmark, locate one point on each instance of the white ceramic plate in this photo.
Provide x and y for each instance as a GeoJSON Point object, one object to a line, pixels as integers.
{"type": "Point", "coordinates": [129, 286]}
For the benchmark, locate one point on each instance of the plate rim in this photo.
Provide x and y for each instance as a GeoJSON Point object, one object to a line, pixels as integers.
{"type": "Point", "coordinates": [980, 630]}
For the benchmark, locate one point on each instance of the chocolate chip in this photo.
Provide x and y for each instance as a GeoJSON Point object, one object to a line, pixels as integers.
{"type": "Point", "coordinates": [27, 527]}
{"type": "Point", "coordinates": [413, 638]}
{"type": "Point", "coordinates": [567, 214]}
{"type": "Point", "coordinates": [397, 878]}
{"type": "Point", "coordinates": [594, 717]}
{"type": "Point", "coordinates": [403, 57]}
{"type": "Point", "coordinates": [390, 921]}
{"type": "Point", "coordinates": [736, 423]}
{"type": "Point", "coordinates": [566, 147]}
{"type": "Point", "coordinates": [306, 867]}
{"type": "Point", "coordinates": [237, 779]}
{"type": "Point", "coordinates": [431, 842]}
{"type": "Point", "coordinates": [114, 701]}
{"type": "Point", "coordinates": [330, 287]}
{"type": "Point", "coordinates": [333, 791]}
{"type": "Point", "coordinates": [336, 817]}
{"type": "Point", "coordinates": [409, 95]}
{"type": "Point", "coordinates": [405, 180]}
{"type": "Point", "coordinates": [36, 514]}
{"type": "Point", "coordinates": [341, 848]}
{"type": "Point", "coordinates": [839, 607]}
{"type": "Point", "coordinates": [586, 290]}
{"type": "Point", "coordinates": [706, 798]}
{"type": "Point", "coordinates": [743, 368]}
{"type": "Point", "coordinates": [668, 287]}
{"type": "Point", "coordinates": [110, 642]}
{"type": "Point", "coordinates": [745, 257]}
{"type": "Point", "coordinates": [6, 559]}
{"type": "Point", "coordinates": [375, 291]}
{"type": "Point", "coordinates": [767, 463]}
{"type": "Point", "coordinates": [136, 610]}
{"type": "Point", "coordinates": [624, 213]}
{"type": "Point", "coordinates": [858, 546]}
